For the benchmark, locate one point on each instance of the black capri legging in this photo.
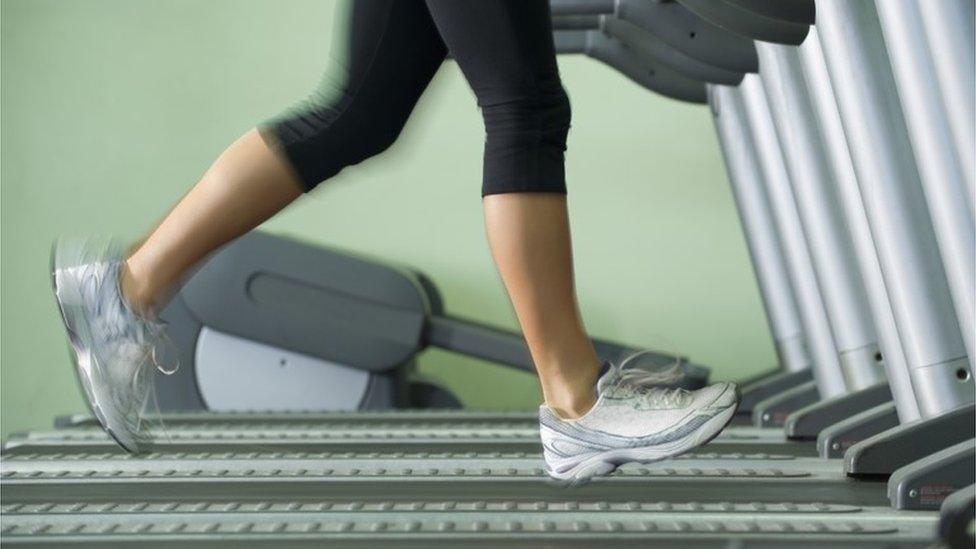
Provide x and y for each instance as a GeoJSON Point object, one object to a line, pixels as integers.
{"type": "Point", "coordinates": [384, 54]}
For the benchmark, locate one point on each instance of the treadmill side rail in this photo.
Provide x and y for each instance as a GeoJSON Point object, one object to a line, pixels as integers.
{"type": "Point", "coordinates": [837, 438]}
{"type": "Point", "coordinates": [754, 391]}
{"type": "Point", "coordinates": [956, 514]}
{"type": "Point", "coordinates": [773, 411]}
{"type": "Point", "coordinates": [924, 485]}
{"type": "Point", "coordinates": [807, 422]}
{"type": "Point", "coordinates": [885, 452]}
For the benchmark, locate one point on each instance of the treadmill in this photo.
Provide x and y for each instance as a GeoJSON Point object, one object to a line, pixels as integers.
{"type": "Point", "coordinates": [803, 427]}
{"type": "Point", "coordinates": [606, 45]}
{"type": "Point", "coordinates": [220, 286]}
{"type": "Point", "coordinates": [734, 442]}
{"type": "Point", "coordinates": [286, 477]}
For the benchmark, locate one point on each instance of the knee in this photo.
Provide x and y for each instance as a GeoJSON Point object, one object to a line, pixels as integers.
{"type": "Point", "coordinates": [526, 142]}
{"type": "Point", "coordinates": [376, 134]}
{"type": "Point", "coordinates": [528, 118]}
{"type": "Point", "coordinates": [320, 140]}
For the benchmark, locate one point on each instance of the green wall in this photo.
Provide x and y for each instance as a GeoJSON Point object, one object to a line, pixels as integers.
{"type": "Point", "coordinates": [112, 108]}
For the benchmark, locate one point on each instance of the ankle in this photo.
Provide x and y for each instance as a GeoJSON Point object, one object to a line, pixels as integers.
{"type": "Point", "coordinates": [136, 290]}
{"type": "Point", "coordinates": [571, 403]}
{"type": "Point", "coordinates": [569, 386]}
{"type": "Point", "coordinates": [572, 398]}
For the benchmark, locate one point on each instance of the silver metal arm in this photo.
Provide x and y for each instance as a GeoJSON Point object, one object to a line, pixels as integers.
{"type": "Point", "coordinates": [816, 327]}
{"type": "Point", "coordinates": [950, 29]}
{"type": "Point", "coordinates": [895, 204]}
{"type": "Point", "coordinates": [842, 173]}
{"type": "Point", "coordinates": [938, 163]}
{"type": "Point", "coordinates": [827, 236]}
{"type": "Point", "coordinates": [759, 228]}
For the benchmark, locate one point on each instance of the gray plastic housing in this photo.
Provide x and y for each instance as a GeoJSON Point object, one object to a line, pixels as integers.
{"type": "Point", "coordinates": [690, 34]}
{"type": "Point", "coordinates": [773, 411]}
{"type": "Point", "coordinates": [580, 7]}
{"type": "Point", "coordinates": [924, 484]}
{"type": "Point", "coordinates": [756, 390]}
{"type": "Point", "coordinates": [342, 311]}
{"type": "Point", "coordinates": [650, 46]}
{"type": "Point", "coordinates": [834, 441]}
{"type": "Point", "coordinates": [807, 422]}
{"type": "Point", "coordinates": [885, 452]}
{"type": "Point", "coordinates": [956, 514]}
{"type": "Point", "coordinates": [801, 12]}
{"type": "Point", "coordinates": [734, 16]}
{"type": "Point", "coordinates": [644, 71]}
{"type": "Point", "coordinates": [313, 302]}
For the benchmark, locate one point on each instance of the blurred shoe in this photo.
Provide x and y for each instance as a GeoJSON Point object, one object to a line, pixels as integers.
{"type": "Point", "coordinates": [111, 344]}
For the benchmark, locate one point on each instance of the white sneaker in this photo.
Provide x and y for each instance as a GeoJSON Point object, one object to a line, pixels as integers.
{"type": "Point", "coordinates": [112, 345]}
{"type": "Point", "coordinates": [633, 421]}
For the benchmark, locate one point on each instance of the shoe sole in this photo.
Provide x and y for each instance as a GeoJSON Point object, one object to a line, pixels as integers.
{"type": "Point", "coordinates": [607, 462]}
{"type": "Point", "coordinates": [80, 352]}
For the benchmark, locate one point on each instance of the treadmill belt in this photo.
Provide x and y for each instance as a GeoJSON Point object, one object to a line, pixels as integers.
{"type": "Point", "coordinates": [415, 524]}
{"type": "Point", "coordinates": [438, 479]}
{"type": "Point", "coordinates": [360, 439]}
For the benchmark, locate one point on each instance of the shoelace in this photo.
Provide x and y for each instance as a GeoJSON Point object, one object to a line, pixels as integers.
{"type": "Point", "coordinates": [656, 396]}
{"type": "Point", "coordinates": [666, 398]}
{"type": "Point", "coordinates": [647, 383]}
{"type": "Point", "coordinates": [664, 375]}
{"type": "Point", "coordinates": [162, 346]}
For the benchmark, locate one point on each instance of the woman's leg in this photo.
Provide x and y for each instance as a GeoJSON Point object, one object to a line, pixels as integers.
{"type": "Point", "coordinates": [384, 54]}
{"type": "Point", "coordinates": [387, 51]}
{"type": "Point", "coordinates": [246, 185]}
{"type": "Point", "coordinates": [505, 49]}
{"type": "Point", "coordinates": [530, 241]}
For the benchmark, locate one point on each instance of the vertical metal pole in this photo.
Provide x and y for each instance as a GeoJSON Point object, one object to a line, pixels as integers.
{"type": "Point", "coordinates": [762, 240]}
{"type": "Point", "coordinates": [935, 155]}
{"type": "Point", "coordinates": [842, 172]}
{"type": "Point", "coordinates": [813, 317]}
{"type": "Point", "coordinates": [950, 30]}
{"type": "Point", "coordinates": [857, 62]}
{"type": "Point", "coordinates": [821, 218]}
